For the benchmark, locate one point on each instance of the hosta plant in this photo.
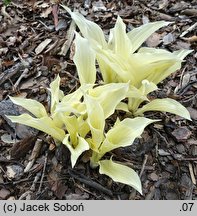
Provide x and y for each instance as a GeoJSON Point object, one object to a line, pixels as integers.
{"type": "Point", "coordinates": [78, 121]}
{"type": "Point", "coordinates": [121, 59]}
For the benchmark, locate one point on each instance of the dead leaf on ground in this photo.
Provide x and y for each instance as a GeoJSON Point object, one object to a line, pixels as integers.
{"type": "Point", "coordinates": [42, 45]}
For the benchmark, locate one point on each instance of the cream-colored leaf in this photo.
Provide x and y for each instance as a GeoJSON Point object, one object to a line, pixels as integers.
{"type": "Point", "coordinates": [71, 125]}
{"type": "Point", "coordinates": [76, 96]}
{"type": "Point", "coordinates": [118, 65]}
{"type": "Point", "coordinates": [120, 173]}
{"type": "Point", "coordinates": [119, 40]}
{"type": "Point", "coordinates": [139, 35]}
{"type": "Point", "coordinates": [44, 124]}
{"type": "Point", "coordinates": [109, 96]}
{"type": "Point", "coordinates": [147, 87]}
{"type": "Point", "coordinates": [33, 106]}
{"type": "Point", "coordinates": [156, 64]}
{"type": "Point", "coordinates": [151, 66]}
{"type": "Point", "coordinates": [66, 107]}
{"type": "Point", "coordinates": [83, 125]}
{"type": "Point", "coordinates": [96, 119]}
{"type": "Point", "coordinates": [89, 29]}
{"type": "Point", "coordinates": [124, 133]}
{"type": "Point", "coordinates": [182, 53]}
{"type": "Point", "coordinates": [122, 106]}
{"type": "Point", "coordinates": [84, 60]}
{"type": "Point", "coordinates": [165, 105]}
{"type": "Point", "coordinates": [107, 71]}
{"type": "Point", "coordinates": [56, 93]}
{"type": "Point", "coordinates": [78, 150]}
{"type": "Point", "coordinates": [140, 95]}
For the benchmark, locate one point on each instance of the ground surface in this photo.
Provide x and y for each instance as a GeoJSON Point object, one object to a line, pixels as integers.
{"type": "Point", "coordinates": [165, 156]}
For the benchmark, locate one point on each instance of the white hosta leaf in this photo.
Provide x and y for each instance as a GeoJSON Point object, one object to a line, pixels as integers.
{"type": "Point", "coordinates": [139, 35]}
{"type": "Point", "coordinates": [72, 127]}
{"type": "Point", "coordinates": [56, 93]}
{"type": "Point", "coordinates": [77, 94]}
{"type": "Point", "coordinates": [84, 60]}
{"type": "Point", "coordinates": [124, 133]}
{"type": "Point", "coordinates": [120, 173]}
{"type": "Point", "coordinates": [150, 66]}
{"type": "Point", "coordinates": [109, 96]}
{"type": "Point", "coordinates": [96, 119]}
{"type": "Point", "coordinates": [157, 64]}
{"type": "Point", "coordinates": [120, 42]}
{"type": "Point", "coordinates": [143, 91]}
{"type": "Point", "coordinates": [108, 73]}
{"type": "Point", "coordinates": [67, 108]}
{"type": "Point", "coordinates": [165, 105]}
{"type": "Point", "coordinates": [89, 29]}
{"type": "Point", "coordinates": [122, 106]}
{"type": "Point", "coordinates": [57, 119]}
{"type": "Point", "coordinates": [182, 53]}
{"type": "Point", "coordinates": [78, 150]}
{"type": "Point", "coordinates": [33, 106]}
{"type": "Point", "coordinates": [83, 125]}
{"type": "Point", "coordinates": [72, 102]}
{"type": "Point", "coordinates": [118, 64]}
{"type": "Point", "coordinates": [44, 124]}
{"type": "Point", "coordinates": [147, 87]}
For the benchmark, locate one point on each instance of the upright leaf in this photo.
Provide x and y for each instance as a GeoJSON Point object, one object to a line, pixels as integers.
{"type": "Point", "coordinates": [89, 29]}
{"type": "Point", "coordinates": [84, 60]}
{"type": "Point", "coordinates": [95, 120]}
{"type": "Point", "coordinates": [56, 93]}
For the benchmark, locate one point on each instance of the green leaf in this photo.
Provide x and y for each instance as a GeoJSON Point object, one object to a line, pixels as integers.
{"type": "Point", "coordinates": [44, 124]}
{"type": "Point", "coordinates": [33, 106]}
{"type": "Point", "coordinates": [84, 60]}
{"type": "Point", "coordinates": [78, 150]}
{"type": "Point", "coordinates": [120, 173]}
{"type": "Point", "coordinates": [165, 105]}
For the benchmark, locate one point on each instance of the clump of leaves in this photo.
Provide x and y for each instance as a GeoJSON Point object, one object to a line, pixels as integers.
{"type": "Point", "coordinates": [122, 60]}
{"type": "Point", "coordinates": [78, 120]}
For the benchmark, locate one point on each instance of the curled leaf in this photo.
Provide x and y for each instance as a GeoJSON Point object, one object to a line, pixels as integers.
{"type": "Point", "coordinates": [124, 133]}
{"type": "Point", "coordinates": [33, 106]}
{"type": "Point", "coordinates": [78, 150]}
{"type": "Point", "coordinates": [44, 124]}
{"type": "Point", "coordinates": [120, 173]}
{"type": "Point", "coordinates": [165, 105]}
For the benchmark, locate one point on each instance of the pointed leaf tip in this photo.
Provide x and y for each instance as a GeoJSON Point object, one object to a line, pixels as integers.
{"type": "Point", "coordinates": [120, 173]}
